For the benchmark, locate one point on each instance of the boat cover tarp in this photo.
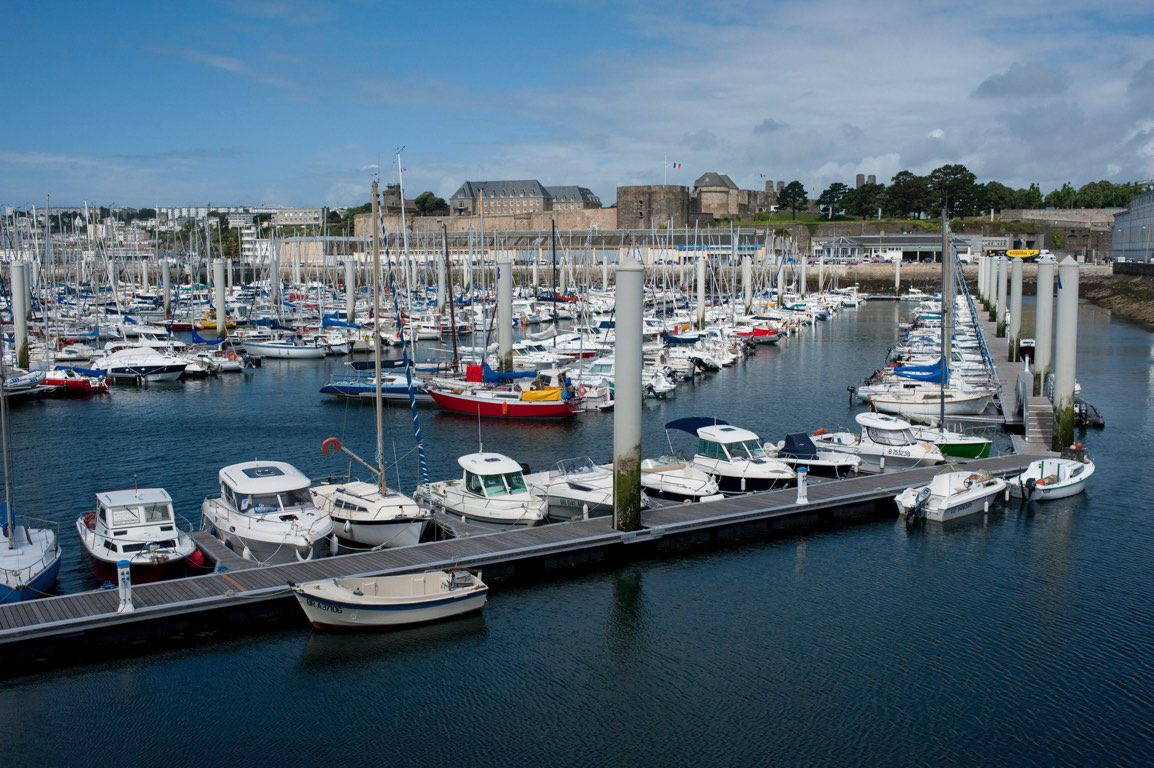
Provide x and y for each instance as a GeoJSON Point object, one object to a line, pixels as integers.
{"type": "Point", "coordinates": [489, 376]}
{"type": "Point", "coordinates": [82, 371]}
{"type": "Point", "coordinates": [371, 365]}
{"type": "Point", "coordinates": [331, 321]}
{"type": "Point", "coordinates": [539, 395]}
{"type": "Point", "coordinates": [272, 322]}
{"type": "Point", "coordinates": [671, 338]}
{"type": "Point", "coordinates": [198, 339]}
{"type": "Point", "coordinates": [798, 446]}
{"type": "Point", "coordinates": [691, 424]}
{"type": "Point", "coordinates": [934, 372]}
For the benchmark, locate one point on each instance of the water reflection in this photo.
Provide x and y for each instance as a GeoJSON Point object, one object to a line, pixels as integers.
{"type": "Point", "coordinates": [366, 650]}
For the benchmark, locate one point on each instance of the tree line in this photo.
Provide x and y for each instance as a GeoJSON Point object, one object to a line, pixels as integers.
{"type": "Point", "coordinates": [953, 188]}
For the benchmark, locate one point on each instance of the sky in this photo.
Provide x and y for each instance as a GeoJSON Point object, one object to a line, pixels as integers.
{"type": "Point", "coordinates": [305, 103]}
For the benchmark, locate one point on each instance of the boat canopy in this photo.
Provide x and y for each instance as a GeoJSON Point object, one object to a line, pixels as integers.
{"type": "Point", "coordinates": [798, 445]}
{"type": "Point", "coordinates": [691, 424]}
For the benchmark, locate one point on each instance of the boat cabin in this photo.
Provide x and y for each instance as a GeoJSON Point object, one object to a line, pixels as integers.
{"type": "Point", "coordinates": [881, 429]}
{"type": "Point", "coordinates": [724, 442]}
{"type": "Point", "coordinates": [490, 475]}
{"type": "Point", "coordinates": [134, 518]}
{"type": "Point", "coordinates": [264, 488]}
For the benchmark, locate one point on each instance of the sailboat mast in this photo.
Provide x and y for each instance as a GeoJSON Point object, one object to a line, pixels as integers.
{"type": "Point", "coordinates": [377, 339]}
{"type": "Point", "coordinates": [449, 288]}
{"type": "Point", "coordinates": [947, 314]}
{"type": "Point", "coordinates": [9, 518]}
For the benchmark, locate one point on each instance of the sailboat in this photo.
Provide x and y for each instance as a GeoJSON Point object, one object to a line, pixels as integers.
{"type": "Point", "coordinates": [371, 515]}
{"type": "Point", "coordinates": [29, 557]}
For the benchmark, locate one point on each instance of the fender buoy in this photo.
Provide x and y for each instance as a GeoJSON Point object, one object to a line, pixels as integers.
{"type": "Point", "coordinates": [330, 444]}
{"type": "Point", "coordinates": [231, 356]}
{"type": "Point", "coordinates": [820, 431]}
{"type": "Point", "coordinates": [504, 409]}
{"type": "Point", "coordinates": [89, 519]}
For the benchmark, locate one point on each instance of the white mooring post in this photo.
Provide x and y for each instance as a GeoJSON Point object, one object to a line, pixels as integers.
{"type": "Point", "coordinates": [802, 493]}
{"type": "Point", "coordinates": [124, 581]}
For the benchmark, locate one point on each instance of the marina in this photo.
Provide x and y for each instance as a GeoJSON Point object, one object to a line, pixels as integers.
{"type": "Point", "coordinates": [267, 514]}
{"type": "Point", "coordinates": [839, 550]}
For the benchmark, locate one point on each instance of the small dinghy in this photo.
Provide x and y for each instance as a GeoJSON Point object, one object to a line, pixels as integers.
{"type": "Point", "coordinates": [1059, 478]}
{"type": "Point", "coordinates": [390, 601]}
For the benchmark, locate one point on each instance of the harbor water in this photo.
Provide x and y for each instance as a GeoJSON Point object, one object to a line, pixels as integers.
{"type": "Point", "coordinates": [1022, 636]}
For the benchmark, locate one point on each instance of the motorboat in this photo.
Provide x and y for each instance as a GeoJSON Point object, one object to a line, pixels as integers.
{"type": "Point", "coordinates": [76, 382]}
{"type": "Point", "coordinates": [137, 525]}
{"type": "Point", "coordinates": [140, 364]}
{"type": "Point", "coordinates": [575, 489]}
{"type": "Point", "coordinates": [390, 601]}
{"type": "Point", "coordinates": [735, 457]}
{"type": "Point", "coordinates": [798, 450]}
{"type": "Point", "coordinates": [885, 442]}
{"type": "Point", "coordinates": [369, 515]}
{"type": "Point", "coordinates": [266, 513]}
{"type": "Point", "coordinates": [491, 491]}
{"type": "Point", "coordinates": [673, 478]}
{"type": "Point", "coordinates": [1055, 478]}
{"type": "Point", "coordinates": [950, 495]}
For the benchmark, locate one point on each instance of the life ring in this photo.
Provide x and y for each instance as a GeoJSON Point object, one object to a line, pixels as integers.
{"type": "Point", "coordinates": [330, 443]}
{"type": "Point", "coordinates": [89, 519]}
{"type": "Point", "coordinates": [231, 356]}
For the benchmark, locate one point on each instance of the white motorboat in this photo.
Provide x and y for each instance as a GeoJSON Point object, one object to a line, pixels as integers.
{"type": "Point", "coordinates": [140, 364]}
{"type": "Point", "coordinates": [1057, 478]}
{"type": "Point", "coordinates": [137, 525]}
{"type": "Point", "coordinates": [575, 489]}
{"type": "Point", "coordinates": [390, 601]}
{"type": "Point", "coordinates": [675, 479]}
{"type": "Point", "coordinates": [885, 442]}
{"type": "Point", "coordinates": [491, 491]}
{"type": "Point", "coordinates": [266, 513]}
{"type": "Point", "coordinates": [951, 495]}
{"type": "Point", "coordinates": [735, 457]}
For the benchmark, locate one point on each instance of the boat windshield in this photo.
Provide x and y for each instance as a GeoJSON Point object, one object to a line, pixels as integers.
{"type": "Point", "coordinates": [746, 449]}
{"type": "Point", "coordinates": [267, 504]}
{"type": "Point", "coordinates": [500, 485]}
{"type": "Point", "coordinates": [890, 436]}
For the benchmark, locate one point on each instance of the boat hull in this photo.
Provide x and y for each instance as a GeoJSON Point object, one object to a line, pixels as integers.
{"type": "Point", "coordinates": [362, 534]}
{"type": "Point", "coordinates": [500, 408]}
{"type": "Point", "coordinates": [336, 605]}
{"type": "Point", "coordinates": [32, 577]}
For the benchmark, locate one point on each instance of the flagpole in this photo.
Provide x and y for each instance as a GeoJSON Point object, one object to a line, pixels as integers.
{"type": "Point", "coordinates": [665, 168]}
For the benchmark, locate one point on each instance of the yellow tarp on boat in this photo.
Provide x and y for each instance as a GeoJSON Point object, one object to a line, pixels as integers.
{"type": "Point", "coordinates": [548, 393]}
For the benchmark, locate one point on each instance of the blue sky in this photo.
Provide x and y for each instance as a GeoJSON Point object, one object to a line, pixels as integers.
{"type": "Point", "coordinates": [280, 102]}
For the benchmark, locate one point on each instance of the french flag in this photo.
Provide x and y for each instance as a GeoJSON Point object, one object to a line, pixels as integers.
{"type": "Point", "coordinates": [676, 165]}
